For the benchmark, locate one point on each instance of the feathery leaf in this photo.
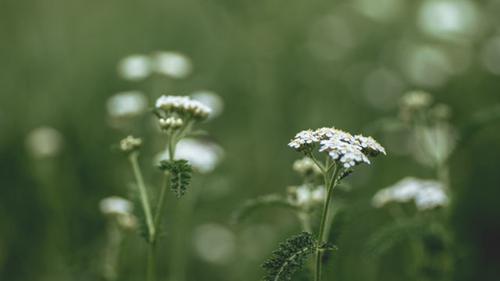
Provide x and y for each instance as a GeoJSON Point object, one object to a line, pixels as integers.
{"type": "Point", "coordinates": [180, 175]}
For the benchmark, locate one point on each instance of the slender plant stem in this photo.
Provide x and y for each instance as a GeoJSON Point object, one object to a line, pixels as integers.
{"type": "Point", "coordinates": [161, 205]}
{"type": "Point", "coordinates": [144, 195]}
{"type": "Point", "coordinates": [151, 271]}
{"type": "Point", "coordinates": [330, 184]}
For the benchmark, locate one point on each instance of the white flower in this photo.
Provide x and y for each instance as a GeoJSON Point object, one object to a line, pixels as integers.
{"type": "Point", "coordinates": [182, 106]}
{"type": "Point", "coordinates": [427, 194]}
{"type": "Point", "coordinates": [135, 67]}
{"type": "Point", "coordinates": [306, 166]}
{"type": "Point", "coordinates": [318, 194]}
{"type": "Point", "coordinates": [343, 147]}
{"type": "Point", "coordinates": [431, 197]}
{"type": "Point", "coordinates": [303, 140]}
{"type": "Point", "coordinates": [214, 243]}
{"type": "Point", "coordinates": [203, 156]}
{"type": "Point", "coordinates": [126, 104]}
{"type": "Point", "coordinates": [44, 142]}
{"type": "Point", "coordinates": [211, 100]}
{"type": "Point", "coordinates": [172, 64]}
{"type": "Point", "coordinates": [115, 205]}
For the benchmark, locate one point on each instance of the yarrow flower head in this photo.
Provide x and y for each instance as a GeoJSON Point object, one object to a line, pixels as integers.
{"type": "Point", "coordinates": [343, 147]}
{"type": "Point", "coordinates": [182, 107]}
{"type": "Point", "coordinates": [427, 194]}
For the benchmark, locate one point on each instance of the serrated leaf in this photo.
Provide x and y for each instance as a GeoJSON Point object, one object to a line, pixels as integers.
{"type": "Point", "coordinates": [289, 257]}
{"type": "Point", "coordinates": [180, 175]}
{"type": "Point", "coordinates": [271, 200]}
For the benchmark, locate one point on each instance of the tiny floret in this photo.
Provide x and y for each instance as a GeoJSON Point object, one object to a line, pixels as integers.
{"type": "Point", "coordinates": [130, 144]}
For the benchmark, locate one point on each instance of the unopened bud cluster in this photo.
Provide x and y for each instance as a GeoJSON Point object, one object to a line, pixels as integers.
{"type": "Point", "coordinates": [170, 123]}
{"type": "Point", "coordinates": [130, 144]}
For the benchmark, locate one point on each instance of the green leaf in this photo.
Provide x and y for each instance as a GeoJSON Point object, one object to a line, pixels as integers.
{"type": "Point", "coordinates": [290, 257]}
{"type": "Point", "coordinates": [271, 200]}
{"type": "Point", "coordinates": [180, 175]}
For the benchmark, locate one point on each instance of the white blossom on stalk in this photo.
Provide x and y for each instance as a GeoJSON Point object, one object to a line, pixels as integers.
{"type": "Point", "coordinates": [182, 106]}
{"type": "Point", "coordinates": [306, 195]}
{"type": "Point", "coordinates": [306, 166]}
{"type": "Point", "coordinates": [135, 67]}
{"type": "Point", "coordinates": [115, 205]}
{"type": "Point", "coordinates": [346, 149]}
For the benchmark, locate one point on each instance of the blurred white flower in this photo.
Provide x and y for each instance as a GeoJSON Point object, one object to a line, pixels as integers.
{"type": "Point", "coordinates": [427, 194]}
{"type": "Point", "coordinates": [427, 65]}
{"type": "Point", "coordinates": [214, 243]}
{"type": "Point", "coordinates": [305, 195]}
{"type": "Point", "coordinates": [126, 104]}
{"type": "Point", "coordinates": [115, 205]}
{"type": "Point", "coordinates": [380, 10]}
{"type": "Point", "coordinates": [211, 100]}
{"type": "Point", "coordinates": [202, 155]}
{"type": "Point", "coordinates": [448, 19]}
{"type": "Point", "coordinates": [306, 167]}
{"type": "Point", "coordinates": [172, 64]}
{"type": "Point", "coordinates": [135, 67]}
{"type": "Point", "coordinates": [44, 142]}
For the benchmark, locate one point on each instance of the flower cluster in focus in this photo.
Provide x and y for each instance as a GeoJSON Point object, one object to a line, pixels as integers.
{"type": "Point", "coordinates": [342, 147]}
{"type": "Point", "coordinates": [174, 111]}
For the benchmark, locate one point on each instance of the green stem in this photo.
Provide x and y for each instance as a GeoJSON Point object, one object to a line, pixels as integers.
{"type": "Point", "coordinates": [144, 196]}
{"type": "Point", "coordinates": [161, 205]}
{"type": "Point", "coordinates": [151, 272]}
{"type": "Point", "coordinates": [330, 185]}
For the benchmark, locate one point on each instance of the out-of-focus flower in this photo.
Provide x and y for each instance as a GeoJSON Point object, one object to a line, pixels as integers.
{"type": "Point", "coordinates": [135, 67]}
{"type": "Point", "coordinates": [211, 100]}
{"type": "Point", "coordinates": [214, 243]}
{"type": "Point", "coordinates": [427, 65]}
{"type": "Point", "coordinates": [44, 142]}
{"type": "Point", "coordinates": [126, 104]}
{"type": "Point", "coordinates": [427, 194]}
{"type": "Point", "coordinates": [306, 195]}
{"type": "Point", "coordinates": [380, 10]}
{"type": "Point", "coordinates": [115, 205]}
{"type": "Point", "coordinates": [306, 167]}
{"type": "Point", "coordinates": [448, 19]}
{"type": "Point", "coordinates": [203, 156]}
{"type": "Point", "coordinates": [172, 64]}
{"type": "Point", "coordinates": [130, 144]}
{"type": "Point", "coordinates": [412, 102]}
{"type": "Point", "coordinates": [120, 209]}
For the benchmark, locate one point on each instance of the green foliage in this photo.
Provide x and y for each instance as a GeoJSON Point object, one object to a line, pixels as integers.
{"type": "Point", "coordinates": [390, 235]}
{"type": "Point", "coordinates": [180, 175]}
{"type": "Point", "coordinates": [289, 257]}
{"type": "Point", "coordinates": [271, 200]}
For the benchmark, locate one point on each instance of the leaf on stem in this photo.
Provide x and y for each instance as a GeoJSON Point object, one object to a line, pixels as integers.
{"type": "Point", "coordinates": [289, 257]}
{"type": "Point", "coordinates": [180, 175]}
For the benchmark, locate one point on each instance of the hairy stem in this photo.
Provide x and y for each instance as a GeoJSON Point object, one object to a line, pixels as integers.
{"type": "Point", "coordinates": [144, 196]}
{"type": "Point", "coordinates": [330, 185]}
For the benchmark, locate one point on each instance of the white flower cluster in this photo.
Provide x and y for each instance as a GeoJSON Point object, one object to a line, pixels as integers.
{"type": "Point", "coordinates": [427, 194]}
{"type": "Point", "coordinates": [306, 196]}
{"type": "Point", "coordinates": [306, 167]}
{"type": "Point", "coordinates": [171, 64]}
{"type": "Point", "coordinates": [120, 209]}
{"type": "Point", "coordinates": [349, 150]}
{"type": "Point", "coordinates": [183, 107]}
